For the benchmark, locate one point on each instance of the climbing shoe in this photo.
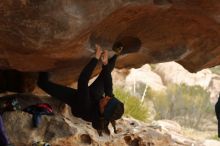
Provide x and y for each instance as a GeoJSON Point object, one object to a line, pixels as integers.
{"type": "Point", "coordinates": [127, 44]}
{"type": "Point", "coordinates": [117, 48]}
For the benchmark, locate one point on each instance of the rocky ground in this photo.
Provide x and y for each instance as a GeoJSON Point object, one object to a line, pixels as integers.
{"type": "Point", "coordinates": [63, 129]}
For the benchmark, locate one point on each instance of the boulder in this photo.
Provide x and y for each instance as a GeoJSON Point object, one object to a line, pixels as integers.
{"type": "Point", "coordinates": [175, 130]}
{"type": "Point", "coordinates": [59, 36]}
{"type": "Point", "coordinates": [211, 143]}
{"type": "Point", "coordinates": [143, 78]}
{"type": "Point", "coordinates": [71, 131]}
{"type": "Point", "coordinates": [172, 72]}
{"type": "Point", "coordinates": [63, 128]}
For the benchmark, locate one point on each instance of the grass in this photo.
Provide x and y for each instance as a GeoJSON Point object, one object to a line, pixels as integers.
{"type": "Point", "coordinates": [133, 106]}
{"type": "Point", "coordinates": [215, 137]}
{"type": "Point", "coordinates": [216, 69]}
{"type": "Point", "coordinates": [188, 105]}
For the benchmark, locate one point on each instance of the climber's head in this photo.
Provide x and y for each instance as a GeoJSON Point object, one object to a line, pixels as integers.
{"type": "Point", "coordinates": [114, 109]}
{"type": "Point", "coordinates": [111, 109]}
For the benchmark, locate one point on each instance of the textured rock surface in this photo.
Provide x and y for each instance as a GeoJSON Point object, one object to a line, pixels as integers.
{"type": "Point", "coordinates": [40, 35]}
{"type": "Point", "coordinates": [144, 76]}
{"type": "Point", "coordinates": [63, 129]}
{"type": "Point", "coordinates": [211, 143]}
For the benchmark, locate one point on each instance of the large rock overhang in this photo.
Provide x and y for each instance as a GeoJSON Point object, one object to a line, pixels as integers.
{"type": "Point", "coordinates": [58, 36]}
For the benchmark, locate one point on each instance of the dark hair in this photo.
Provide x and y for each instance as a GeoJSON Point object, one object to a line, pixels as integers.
{"type": "Point", "coordinates": [114, 109]}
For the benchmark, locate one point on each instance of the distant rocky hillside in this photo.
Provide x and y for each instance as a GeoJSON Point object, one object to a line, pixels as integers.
{"type": "Point", "coordinates": [159, 75]}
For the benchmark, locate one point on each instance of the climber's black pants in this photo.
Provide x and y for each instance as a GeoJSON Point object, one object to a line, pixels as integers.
{"type": "Point", "coordinates": [81, 100]}
{"type": "Point", "coordinates": [217, 112]}
{"type": "Point", "coordinates": [3, 137]}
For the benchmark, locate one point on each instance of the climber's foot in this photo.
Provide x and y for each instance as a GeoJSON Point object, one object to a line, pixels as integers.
{"type": "Point", "coordinates": [126, 45]}
{"type": "Point", "coordinates": [118, 50]}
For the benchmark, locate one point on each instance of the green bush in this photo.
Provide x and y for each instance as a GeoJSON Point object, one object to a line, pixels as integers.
{"type": "Point", "coordinates": [216, 69]}
{"type": "Point", "coordinates": [133, 106]}
{"type": "Point", "coordinates": [189, 105]}
{"type": "Point", "coordinates": [215, 137]}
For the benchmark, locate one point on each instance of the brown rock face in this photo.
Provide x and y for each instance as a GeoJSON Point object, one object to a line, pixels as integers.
{"type": "Point", "coordinates": [58, 36]}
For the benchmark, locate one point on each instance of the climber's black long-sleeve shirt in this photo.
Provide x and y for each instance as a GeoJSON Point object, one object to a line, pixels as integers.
{"type": "Point", "coordinates": [84, 101]}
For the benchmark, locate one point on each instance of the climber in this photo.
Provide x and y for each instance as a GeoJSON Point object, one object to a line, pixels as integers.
{"type": "Point", "coordinates": [95, 103]}
{"type": "Point", "coordinates": [217, 111]}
